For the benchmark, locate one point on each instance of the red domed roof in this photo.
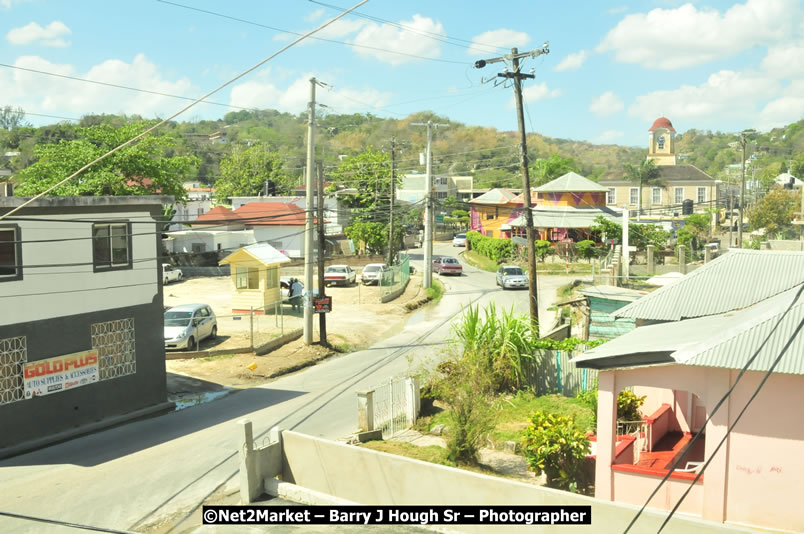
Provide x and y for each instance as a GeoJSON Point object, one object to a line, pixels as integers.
{"type": "Point", "coordinates": [662, 122]}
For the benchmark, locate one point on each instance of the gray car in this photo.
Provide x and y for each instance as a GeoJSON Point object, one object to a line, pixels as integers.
{"type": "Point", "coordinates": [511, 276]}
{"type": "Point", "coordinates": [188, 324]}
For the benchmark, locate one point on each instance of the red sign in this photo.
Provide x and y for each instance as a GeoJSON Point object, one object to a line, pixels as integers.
{"type": "Point", "coordinates": [322, 304]}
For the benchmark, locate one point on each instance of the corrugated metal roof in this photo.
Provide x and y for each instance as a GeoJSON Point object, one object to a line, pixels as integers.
{"type": "Point", "coordinates": [500, 195]}
{"type": "Point", "coordinates": [726, 340]}
{"type": "Point", "coordinates": [262, 252]}
{"type": "Point", "coordinates": [567, 216]}
{"type": "Point", "coordinates": [735, 280]}
{"type": "Point", "coordinates": [612, 292]}
{"type": "Point", "coordinates": [571, 182]}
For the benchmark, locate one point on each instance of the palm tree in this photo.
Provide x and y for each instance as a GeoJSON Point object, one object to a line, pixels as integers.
{"type": "Point", "coordinates": [646, 173]}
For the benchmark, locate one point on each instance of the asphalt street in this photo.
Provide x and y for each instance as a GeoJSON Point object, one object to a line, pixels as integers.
{"type": "Point", "coordinates": [130, 476]}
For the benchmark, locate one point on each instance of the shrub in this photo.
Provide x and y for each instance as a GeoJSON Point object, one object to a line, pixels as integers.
{"type": "Point", "coordinates": [628, 405]}
{"type": "Point", "coordinates": [542, 248]}
{"type": "Point", "coordinates": [586, 249]}
{"type": "Point", "coordinates": [494, 248]}
{"type": "Point", "coordinates": [556, 446]}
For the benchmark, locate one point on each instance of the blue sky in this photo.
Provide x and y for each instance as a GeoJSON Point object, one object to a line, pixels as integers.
{"type": "Point", "coordinates": [612, 68]}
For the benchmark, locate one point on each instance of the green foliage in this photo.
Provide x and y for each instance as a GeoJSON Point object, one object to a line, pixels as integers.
{"type": "Point", "coordinates": [168, 212]}
{"type": "Point", "coordinates": [542, 248]}
{"type": "Point", "coordinates": [628, 405]}
{"type": "Point", "coordinates": [589, 398]}
{"type": "Point", "coordinates": [587, 249]}
{"type": "Point", "coordinates": [492, 247]}
{"type": "Point", "coordinates": [244, 173]}
{"type": "Point", "coordinates": [372, 235]}
{"type": "Point", "coordinates": [545, 170]}
{"type": "Point", "coordinates": [569, 344]}
{"type": "Point", "coordinates": [639, 235]}
{"type": "Point", "coordinates": [774, 212]}
{"type": "Point", "coordinates": [435, 291]}
{"type": "Point", "coordinates": [144, 168]}
{"type": "Point", "coordinates": [644, 174]}
{"type": "Point", "coordinates": [369, 174]}
{"type": "Point", "coordinates": [556, 446]}
{"type": "Point", "coordinates": [11, 118]}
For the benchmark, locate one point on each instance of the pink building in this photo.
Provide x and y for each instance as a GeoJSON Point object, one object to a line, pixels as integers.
{"type": "Point", "coordinates": [741, 311]}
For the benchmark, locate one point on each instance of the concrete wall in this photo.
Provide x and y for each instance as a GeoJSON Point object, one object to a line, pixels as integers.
{"type": "Point", "coordinates": [368, 477]}
{"type": "Point", "coordinates": [786, 244]}
{"type": "Point", "coordinates": [634, 488]}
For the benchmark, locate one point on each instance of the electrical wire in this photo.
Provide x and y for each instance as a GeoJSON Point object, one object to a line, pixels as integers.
{"type": "Point", "coordinates": [64, 523]}
{"type": "Point", "coordinates": [146, 132]}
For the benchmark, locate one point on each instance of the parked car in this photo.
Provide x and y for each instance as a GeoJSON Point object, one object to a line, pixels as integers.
{"type": "Point", "coordinates": [372, 273]}
{"type": "Point", "coordinates": [170, 273]}
{"type": "Point", "coordinates": [187, 325]}
{"type": "Point", "coordinates": [459, 240]}
{"type": "Point", "coordinates": [511, 276]}
{"type": "Point", "coordinates": [447, 265]}
{"type": "Point", "coordinates": [339, 275]}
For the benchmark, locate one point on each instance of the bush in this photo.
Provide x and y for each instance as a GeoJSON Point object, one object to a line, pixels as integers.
{"type": "Point", "coordinates": [492, 247]}
{"type": "Point", "coordinates": [542, 248]}
{"type": "Point", "coordinates": [628, 405]}
{"type": "Point", "coordinates": [586, 249]}
{"type": "Point", "coordinates": [556, 446]}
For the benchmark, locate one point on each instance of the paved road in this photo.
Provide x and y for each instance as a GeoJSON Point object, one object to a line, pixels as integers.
{"type": "Point", "coordinates": [129, 476]}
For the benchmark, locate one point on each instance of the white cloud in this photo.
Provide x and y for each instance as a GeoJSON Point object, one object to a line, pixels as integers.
{"type": "Point", "coordinates": [315, 15]}
{"type": "Point", "coordinates": [609, 136]}
{"type": "Point", "coordinates": [46, 94]}
{"type": "Point", "coordinates": [686, 36]}
{"type": "Point", "coordinates": [32, 32]}
{"type": "Point", "coordinates": [535, 93]}
{"type": "Point", "coordinates": [725, 95]}
{"type": "Point", "coordinates": [390, 37]}
{"type": "Point", "coordinates": [606, 104]}
{"type": "Point", "coordinates": [787, 108]}
{"type": "Point", "coordinates": [572, 61]}
{"type": "Point", "coordinates": [488, 43]}
{"type": "Point", "coordinates": [8, 4]}
{"type": "Point", "coordinates": [784, 61]}
{"type": "Point", "coordinates": [294, 99]}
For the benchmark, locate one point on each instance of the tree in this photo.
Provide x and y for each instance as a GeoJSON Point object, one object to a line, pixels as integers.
{"type": "Point", "coordinates": [774, 212]}
{"type": "Point", "coordinates": [139, 169]}
{"type": "Point", "coordinates": [244, 173]}
{"type": "Point", "coordinates": [542, 248]}
{"type": "Point", "coordinates": [545, 170]}
{"type": "Point", "coordinates": [372, 235]}
{"type": "Point", "coordinates": [646, 173]}
{"type": "Point", "coordinates": [587, 249]}
{"type": "Point", "coordinates": [639, 235]}
{"type": "Point", "coordinates": [369, 174]}
{"type": "Point", "coordinates": [11, 118]}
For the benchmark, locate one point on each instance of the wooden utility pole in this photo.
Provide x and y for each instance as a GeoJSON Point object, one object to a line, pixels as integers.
{"type": "Point", "coordinates": [391, 211]}
{"type": "Point", "coordinates": [322, 250]}
{"type": "Point", "coordinates": [518, 76]}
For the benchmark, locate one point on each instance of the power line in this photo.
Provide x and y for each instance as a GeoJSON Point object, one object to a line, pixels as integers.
{"type": "Point", "coordinates": [273, 28]}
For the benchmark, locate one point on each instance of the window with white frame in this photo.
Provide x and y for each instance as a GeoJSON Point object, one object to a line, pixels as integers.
{"type": "Point", "coordinates": [10, 253]}
{"type": "Point", "coordinates": [678, 195]}
{"type": "Point", "coordinates": [441, 194]}
{"type": "Point", "coordinates": [111, 246]}
{"type": "Point", "coordinates": [656, 195]}
{"type": "Point", "coordinates": [247, 278]}
{"type": "Point", "coordinates": [633, 195]}
{"type": "Point", "coordinates": [701, 194]}
{"type": "Point", "coordinates": [611, 196]}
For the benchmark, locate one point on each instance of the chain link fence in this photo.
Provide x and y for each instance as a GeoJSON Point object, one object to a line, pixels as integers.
{"type": "Point", "coordinates": [395, 277]}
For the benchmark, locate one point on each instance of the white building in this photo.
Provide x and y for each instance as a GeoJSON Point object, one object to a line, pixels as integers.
{"type": "Point", "coordinates": [414, 187]}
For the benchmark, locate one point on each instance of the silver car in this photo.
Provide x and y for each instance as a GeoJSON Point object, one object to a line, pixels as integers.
{"type": "Point", "coordinates": [511, 276]}
{"type": "Point", "coordinates": [372, 273]}
{"type": "Point", "coordinates": [188, 324]}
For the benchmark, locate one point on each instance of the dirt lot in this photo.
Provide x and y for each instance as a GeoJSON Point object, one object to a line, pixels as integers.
{"type": "Point", "coordinates": [357, 320]}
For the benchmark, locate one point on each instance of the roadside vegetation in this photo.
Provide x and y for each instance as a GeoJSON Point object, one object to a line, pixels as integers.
{"type": "Point", "coordinates": [435, 291]}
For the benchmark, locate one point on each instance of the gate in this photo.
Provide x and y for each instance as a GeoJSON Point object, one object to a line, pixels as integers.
{"type": "Point", "coordinates": [393, 406]}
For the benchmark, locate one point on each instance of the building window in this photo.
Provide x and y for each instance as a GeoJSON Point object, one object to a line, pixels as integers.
{"type": "Point", "coordinates": [701, 194]}
{"type": "Point", "coordinates": [198, 248]}
{"type": "Point", "coordinates": [247, 278]}
{"type": "Point", "coordinates": [272, 278]}
{"type": "Point", "coordinates": [656, 195]}
{"type": "Point", "coordinates": [633, 195]}
{"type": "Point", "coordinates": [111, 246]}
{"type": "Point", "coordinates": [678, 197]}
{"type": "Point", "coordinates": [441, 194]}
{"type": "Point", "coordinates": [611, 196]}
{"type": "Point", "coordinates": [10, 253]}
{"type": "Point", "coordinates": [489, 216]}
{"type": "Point", "coordinates": [116, 346]}
{"type": "Point", "coordinates": [660, 143]}
{"type": "Point", "coordinates": [13, 357]}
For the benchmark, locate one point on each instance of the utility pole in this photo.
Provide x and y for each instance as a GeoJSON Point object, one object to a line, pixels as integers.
{"type": "Point", "coordinates": [428, 207]}
{"type": "Point", "coordinates": [517, 76]}
{"type": "Point", "coordinates": [308, 227]}
{"type": "Point", "coordinates": [743, 140]}
{"type": "Point", "coordinates": [322, 249]}
{"type": "Point", "coordinates": [391, 212]}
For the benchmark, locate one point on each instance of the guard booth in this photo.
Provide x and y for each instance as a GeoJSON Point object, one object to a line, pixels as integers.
{"type": "Point", "coordinates": [255, 277]}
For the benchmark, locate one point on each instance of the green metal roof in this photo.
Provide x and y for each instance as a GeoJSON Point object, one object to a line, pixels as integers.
{"type": "Point", "coordinates": [567, 216]}
{"type": "Point", "coordinates": [735, 280]}
{"type": "Point", "coordinates": [571, 183]}
{"type": "Point", "coordinates": [726, 340]}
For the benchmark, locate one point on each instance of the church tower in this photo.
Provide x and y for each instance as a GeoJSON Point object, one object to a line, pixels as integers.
{"type": "Point", "coordinates": [662, 145]}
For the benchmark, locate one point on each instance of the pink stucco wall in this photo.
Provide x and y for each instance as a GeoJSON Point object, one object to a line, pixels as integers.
{"type": "Point", "coordinates": [634, 488]}
{"type": "Point", "coordinates": [755, 478]}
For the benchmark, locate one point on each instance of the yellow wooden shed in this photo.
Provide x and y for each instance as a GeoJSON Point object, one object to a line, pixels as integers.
{"type": "Point", "coordinates": [255, 276]}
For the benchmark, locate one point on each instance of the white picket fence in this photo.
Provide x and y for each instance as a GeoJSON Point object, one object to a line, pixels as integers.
{"type": "Point", "coordinates": [390, 407]}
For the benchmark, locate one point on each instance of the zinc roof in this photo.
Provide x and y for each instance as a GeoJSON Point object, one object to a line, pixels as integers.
{"type": "Point", "coordinates": [567, 216]}
{"type": "Point", "coordinates": [726, 340]}
{"type": "Point", "coordinates": [735, 280]}
{"type": "Point", "coordinates": [499, 195]}
{"type": "Point", "coordinates": [571, 182]}
{"type": "Point", "coordinates": [262, 252]}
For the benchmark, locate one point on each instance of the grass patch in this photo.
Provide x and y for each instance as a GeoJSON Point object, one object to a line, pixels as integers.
{"type": "Point", "coordinates": [561, 268]}
{"type": "Point", "coordinates": [566, 290]}
{"type": "Point", "coordinates": [436, 291]}
{"type": "Point", "coordinates": [217, 357]}
{"type": "Point", "coordinates": [515, 412]}
{"type": "Point", "coordinates": [480, 261]}
{"type": "Point", "coordinates": [431, 453]}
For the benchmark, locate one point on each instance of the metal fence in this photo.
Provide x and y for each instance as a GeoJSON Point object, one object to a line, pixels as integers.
{"type": "Point", "coordinates": [395, 405]}
{"type": "Point", "coordinates": [396, 276]}
{"type": "Point", "coordinates": [550, 371]}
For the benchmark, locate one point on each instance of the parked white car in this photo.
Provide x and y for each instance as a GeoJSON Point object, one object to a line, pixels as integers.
{"type": "Point", "coordinates": [339, 275]}
{"type": "Point", "coordinates": [170, 273]}
{"type": "Point", "coordinates": [372, 273]}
